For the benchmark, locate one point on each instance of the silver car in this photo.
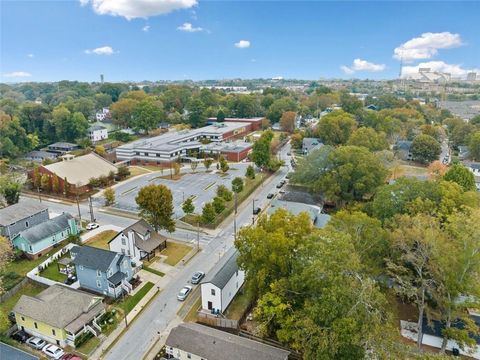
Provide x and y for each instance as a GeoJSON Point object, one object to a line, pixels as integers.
{"type": "Point", "coordinates": [182, 295]}
{"type": "Point", "coordinates": [197, 277]}
{"type": "Point", "coordinates": [36, 343]}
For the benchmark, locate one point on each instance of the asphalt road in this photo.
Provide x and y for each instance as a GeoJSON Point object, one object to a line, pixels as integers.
{"type": "Point", "coordinates": [144, 332]}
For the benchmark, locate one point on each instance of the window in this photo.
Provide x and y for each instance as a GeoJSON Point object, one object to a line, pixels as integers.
{"type": "Point", "coordinates": [146, 154]}
{"type": "Point", "coordinates": [158, 155]}
{"type": "Point", "coordinates": [26, 224]}
{"type": "Point", "coordinates": [189, 356]}
{"type": "Point", "coordinates": [128, 252]}
{"type": "Point", "coordinates": [110, 272]}
{"type": "Point", "coordinates": [99, 273]}
{"type": "Point", "coordinates": [137, 153]}
{"type": "Point", "coordinates": [53, 332]}
{"type": "Point", "coordinates": [99, 284]}
{"type": "Point", "coordinates": [212, 291]}
{"type": "Point", "coordinates": [123, 251]}
{"type": "Point", "coordinates": [123, 241]}
{"type": "Point", "coordinates": [30, 247]}
{"type": "Point", "coordinates": [35, 324]}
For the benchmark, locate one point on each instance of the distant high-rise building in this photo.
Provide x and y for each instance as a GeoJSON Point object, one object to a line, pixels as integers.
{"type": "Point", "coordinates": [101, 78]}
{"type": "Point", "coordinates": [472, 76]}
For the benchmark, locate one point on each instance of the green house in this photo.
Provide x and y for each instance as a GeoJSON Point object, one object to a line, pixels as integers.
{"type": "Point", "coordinates": [39, 239]}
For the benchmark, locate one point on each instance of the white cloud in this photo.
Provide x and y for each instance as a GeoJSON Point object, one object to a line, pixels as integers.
{"type": "Point", "coordinates": [30, 56]}
{"type": "Point", "coordinates": [362, 65]}
{"type": "Point", "coordinates": [146, 28]}
{"type": "Point", "coordinates": [17, 74]}
{"type": "Point", "coordinates": [242, 44]}
{"type": "Point", "coordinates": [457, 71]}
{"type": "Point", "coordinates": [188, 27]}
{"type": "Point", "coordinates": [131, 9]}
{"type": "Point", "coordinates": [104, 50]}
{"type": "Point", "coordinates": [426, 46]}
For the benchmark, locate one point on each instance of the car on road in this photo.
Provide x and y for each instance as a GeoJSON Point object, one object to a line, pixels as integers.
{"type": "Point", "coordinates": [36, 343]}
{"type": "Point", "coordinates": [270, 196]}
{"type": "Point", "coordinates": [289, 153]}
{"type": "Point", "coordinates": [279, 185]}
{"type": "Point", "coordinates": [91, 226]}
{"type": "Point", "coordinates": [53, 352]}
{"type": "Point", "coordinates": [199, 275]}
{"type": "Point", "coordinates": [256, 211]}
{"type": "Point", "coordinates": [182, 295]}
{"type": "Point", "coordinates": [20, 336]}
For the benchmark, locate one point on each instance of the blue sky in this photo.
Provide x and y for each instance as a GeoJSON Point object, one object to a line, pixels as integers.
{"type": "Point", "coordinates": [78, 40]}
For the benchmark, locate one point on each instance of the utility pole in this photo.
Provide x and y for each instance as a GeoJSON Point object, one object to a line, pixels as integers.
{"type": "Point", "coordinates": [79, 213]}
{"type": "Point", "coordinates": [235, 219]}
{"type": "Point", "coordinates": [39, 196]}
{"type": "Point", "coordinates": [253, 212]}
{"type": "Point", "coordinates": [198, 235]}
{"type": "Point", "coordinates": [92, 219]}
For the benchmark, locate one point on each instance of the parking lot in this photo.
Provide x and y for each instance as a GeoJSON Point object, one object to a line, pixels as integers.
{"type": "Point", "coordinates": [201, 186]}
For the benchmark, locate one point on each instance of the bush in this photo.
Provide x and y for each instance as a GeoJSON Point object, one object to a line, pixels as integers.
{"type": "Point", "coordinates": [83, 338]}
{"type": "Point", "coordinates": [224, 193]}
{"type": "Point", "coordinates": [218, 204]}
{"type": "Point", "coordinates": [121, 136]}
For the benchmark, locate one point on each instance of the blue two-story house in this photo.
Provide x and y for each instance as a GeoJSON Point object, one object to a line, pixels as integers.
{"type": "Point", "coordinates": [102, 271]}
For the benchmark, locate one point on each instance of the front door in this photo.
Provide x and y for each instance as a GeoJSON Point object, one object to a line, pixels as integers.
{"type": "Point", "coordinates": [210, 305]}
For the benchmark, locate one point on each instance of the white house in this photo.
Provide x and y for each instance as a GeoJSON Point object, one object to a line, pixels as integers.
{"type": "Point", "coordinates": [97, 133]}
{"type": "Point", "coordinates": [139, 241]}
{"type": "Point", "coordinates": [101, 115]}
{"type": "Point", "coordinates": [224, 281]}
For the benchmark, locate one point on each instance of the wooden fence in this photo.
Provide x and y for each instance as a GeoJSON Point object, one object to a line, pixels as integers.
{"type": "Point", "coordinates": [212, 320]}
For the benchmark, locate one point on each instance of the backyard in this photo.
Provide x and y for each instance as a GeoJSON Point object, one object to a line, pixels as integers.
{"type": "Point", "coordinates": [175, 252]}
{"type": "Point", "coordinates": [239, 305]}
{"type": "Point", "coordinates": [101, 240]}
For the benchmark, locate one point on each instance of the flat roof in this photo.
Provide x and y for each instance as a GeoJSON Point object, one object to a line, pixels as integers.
{"type": "Point", "coordinates": [173, 138]}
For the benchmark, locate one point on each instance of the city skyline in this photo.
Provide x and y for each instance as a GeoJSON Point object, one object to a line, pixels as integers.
{"type": "Point", "coordinates": [199, 40]}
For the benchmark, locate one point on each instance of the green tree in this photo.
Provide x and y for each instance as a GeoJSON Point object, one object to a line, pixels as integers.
{"type": "Point", "coordinates": [123, 172]}
{"type": "Point", "coordinates": [224, 193]}
{"type": "Point", "coordinates": [147, 114]}
{"type": "Point", "coordinates": [474, 146]}
{"type": "Point", "coordinates": [193, 165]}
{"type": "Point", "coordinates": [188, 207]}
{"type": "Point", "coordinates": [250, 172]}
{"type": "Point", "coordinates": [55, 184]}
{"type": "Point", "coordinates": [207, 162]}
{"type": "Point", "coordinates": [122, 112]}
{"type": "Point", "coordinates": [109, 195]}
{"type": "Point", "coordinates": [45, 183]}
{"type": "Point", "coordinates": [425, 148]}
{"type": "Point", "coordinates": [223, 164]}
{"type": "Point", "coordinates": [261, 153]}
{"type": "Point", "coordinates": [156, 206]}
{"type": "Point", "coordinates": [218, 204]}
{"type": "Point", "coordinates": [350, 103]}
{"type": "Point", "coordinates": [278, 107]}
{"type": "Point", "coordinates": [196, 117]}
{"type": "Point", "coordinates": [208, 213]}
{"type": "Point", "coordinates": [237, 185]}
{"type": "Point", "coordinates": [10, 189]}
{"type": "Point", "coordinates": [369, 138]}
{"type": "Point", "coordinates": [287, 121]}
{"type": "Point", "coordinates": [335, 128]}
{"type": "Point", "coordinates": [461, 175]}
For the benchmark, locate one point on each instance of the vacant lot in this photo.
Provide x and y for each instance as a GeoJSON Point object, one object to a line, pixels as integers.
{"type": "Point", "coordinates": [101, 240]}
{"type": "Point", "coordinates": [175, 252]}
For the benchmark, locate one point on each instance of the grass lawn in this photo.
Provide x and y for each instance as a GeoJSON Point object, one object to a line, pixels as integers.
{"type": "Point", "coordinates": [238, 306]}
{"type": "Point", "coordinates": [192, 314]}
{"type": "Point", "coordinates": [153, 271]}
{"type": "Point", "coordinates": [136, 170]}
{"type": "Point", "coordinates": [88, 346]}
{"type": "Point", "coordinates": [175, 252]}
{"type": "Point", "coordinates": [52, 273]}
{"type": "Point", "coordinates": [7, 306]}
{"type": "Point", "coordinates": [131, 301]}
{"type": "Point", "coordinates": [101, 240]}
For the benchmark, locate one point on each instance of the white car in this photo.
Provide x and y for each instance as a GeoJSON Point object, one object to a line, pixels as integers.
{"type": "Point", "coordinates": [91, 226]}
{"type": "Point", "coordinates": [182, 295]}
{"type": "Point", "coordinates": [53, 352]}
{"type": "Point", "coordinates": [36, 343]}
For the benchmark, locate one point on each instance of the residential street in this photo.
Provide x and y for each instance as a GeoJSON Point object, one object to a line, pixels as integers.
{"type": "Point", "coordinates": [155, 319]}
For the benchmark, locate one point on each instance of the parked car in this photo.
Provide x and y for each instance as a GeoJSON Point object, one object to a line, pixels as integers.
{"type": "Point", "coordinates": [20, 336]}
{"type": "Point", "coordinates": [53, 352]}
{"type": "Point", "coordinates": [256, 211]}
{"type": "Point", "coordinates": [91, 226]}
{"type": "Point", "coordinates": [270, 196]}
{"type": "Point", "coordinates": [70, 357]}
{"type": "Point", "coordinates": [279, 185]}
{"type": "Point", "coordinates": [199, 275]}
{"type": "Point", "coordinates": [182, 295]}
{"type": "Point", "coordinates": [36, 343]}
{"type": "Point", "coordinates": [70, 279]}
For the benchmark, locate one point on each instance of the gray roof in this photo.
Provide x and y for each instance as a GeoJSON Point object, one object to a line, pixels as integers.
{"type": "Point", "coordinates": [117, 278]}
{"type": "Point", "coordinates": [96, 127]}
{"type": "Point", "coordinates": [213, 344]}
{"type": "Point", "coordinates": [60, 306]}
{"type": "Point", "coordinates": [65, 145]}
{"type": "Point", "coordinates": [48, 228]}
{"type": "Point", "coordinates": [403, 145]}
{"type": "Point", "coordinates": [40, 155]}
{"type": "Point", "coordinates": [223, 271]}
{"type": "Point", "coordinates": [92, 257]}
{"type": "Point", "coordinates": [140, 229]}
{"type": "Point", "coordinates": [11, 353]}
{"type": "Point", "coordinates": [16, 212]}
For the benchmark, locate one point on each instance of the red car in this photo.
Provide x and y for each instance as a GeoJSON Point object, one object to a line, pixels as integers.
{"type": "Point", "coordinates": [70, 357]}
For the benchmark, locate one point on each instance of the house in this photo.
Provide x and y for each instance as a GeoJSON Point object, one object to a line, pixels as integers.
{"type": "Point", "coordinates": [21, 216]}
{"type": "Point", "coordinates": [59, 314]}
{"type": "Point", "coordinates": [12, 353]}
{"type": "Point", "coordinates": [61, 148]}
{"type": "Point", "coordinates": [195, 341]}
{"type": "Point", "coordinates": [102, 115]}
{"type": "Point", "coordinates": [372, 107]}
{"type": "Point", "coordinates": [39, 239]}
{"type": "Point", "coordinates": [319, 219]}
{"type": "Point", "coordinates": [223, 282]}
{"type": "Point", "coordinates": [463, 152]}
{"type": "Point", "coordinates": [402, 149]}
{"type": "Point", "coordinates": [310, 144]}
{"type": "Point", "coordinates": [102, 271]}
{"type": "Point", "coordinates": [39, 156]}
{"type": "Point", "coordinates": [139, 241]}
{"type": "Point", "coordinates": [78, 171]}
{"type": "Point", "coordinates": [97, 132]}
